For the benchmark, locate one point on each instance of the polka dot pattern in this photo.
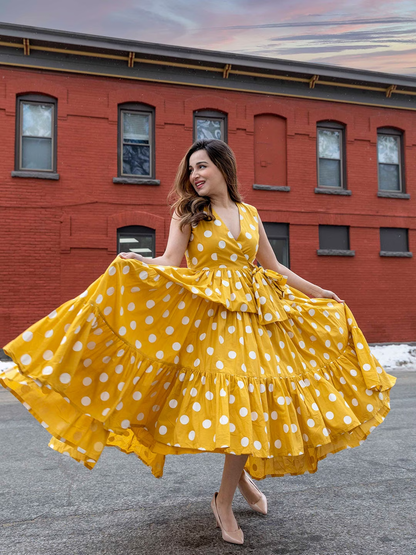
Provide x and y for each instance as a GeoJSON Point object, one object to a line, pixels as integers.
{"type": "Point", "coordinates": [222, 355]}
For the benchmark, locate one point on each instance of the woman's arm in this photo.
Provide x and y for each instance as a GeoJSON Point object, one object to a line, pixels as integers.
{"type": "Point", "coordinates": [267, 258]}
{"type": "Point", "coordinates": [175, 249]}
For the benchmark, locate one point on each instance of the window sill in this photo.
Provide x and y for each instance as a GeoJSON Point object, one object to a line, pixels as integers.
{"type": "Point", "coordinates": [392, 194]}
{"type": "Point", "coordinates": [283, 188]}
{"type": "Point", "coordinates": [396, 254]}
{"type": "Point", "coordinates": [36, 174]}
{"type": "Point", "coordinates": [334, 252]}
{"type": "Point", "coordinates": [135, 181]}
{"type": "Point", "coordinates": [322, 191]}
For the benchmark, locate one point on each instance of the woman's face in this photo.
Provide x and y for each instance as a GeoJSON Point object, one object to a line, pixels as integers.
{"type": "Point", "coordinates": [204, 175]}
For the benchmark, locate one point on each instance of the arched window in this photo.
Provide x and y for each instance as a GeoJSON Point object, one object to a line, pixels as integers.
{"type": "Point", "coordinates": [136, 140]}
{"type": "Point", "coordinates": [270, 159]}
{"type": "Point", "coordinates": [36, 131]}
{"type": "Point", "coordinates": [331, 155]}
{"type": "Point", "coordinates": [210, 124]}
{"type": "Point", "coordinates": [136, 238]}
{"type": "Point", "coordinates": [390, 159]}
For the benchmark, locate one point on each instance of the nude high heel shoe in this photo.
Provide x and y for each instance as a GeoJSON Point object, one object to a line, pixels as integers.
{"type": "Point", "coordinates": [232, 537]}
{"type": "Point", "coordinates": [261, 505]}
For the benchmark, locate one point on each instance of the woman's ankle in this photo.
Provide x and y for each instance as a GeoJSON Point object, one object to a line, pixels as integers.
{"type": "Point", "coordinates": [224, 502]}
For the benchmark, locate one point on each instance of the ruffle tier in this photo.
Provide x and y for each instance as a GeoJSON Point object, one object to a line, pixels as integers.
{"type": "Point", "coordinates": [153, 408]}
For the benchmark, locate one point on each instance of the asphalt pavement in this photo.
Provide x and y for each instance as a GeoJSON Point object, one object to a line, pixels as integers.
{"type": "Point", "coordinates": [361, 501]}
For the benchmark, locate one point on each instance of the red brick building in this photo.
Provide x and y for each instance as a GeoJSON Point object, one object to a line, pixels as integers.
{"type": "Point", "coordinates": [93, 129]}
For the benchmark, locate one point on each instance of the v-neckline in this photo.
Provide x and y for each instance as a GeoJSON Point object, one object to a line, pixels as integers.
{"type": "Point", "coordinates": [239, 219]}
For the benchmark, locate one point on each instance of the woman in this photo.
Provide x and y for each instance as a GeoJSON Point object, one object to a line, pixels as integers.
{"type": "Point", "coordinates": [222, 356]}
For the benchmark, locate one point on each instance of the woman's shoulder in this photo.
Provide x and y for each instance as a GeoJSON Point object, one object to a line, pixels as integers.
{"type": "Point", "coordinates": [249, 208]}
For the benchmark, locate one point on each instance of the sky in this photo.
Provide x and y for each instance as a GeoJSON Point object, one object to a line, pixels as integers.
{"type": "Point", "coordinates": [378, 35]}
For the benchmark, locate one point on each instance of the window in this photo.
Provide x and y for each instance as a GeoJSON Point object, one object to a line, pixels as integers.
{"type": "Point", "coordinates": [390, 159]}
{"type": "Point", "coordinates": [137, 239]}
{"type": "Point", "coordinates": [394, 241]}
{"type": "Point", "coordinates": [36, 133]}
{"type": "Point", "coordinates": [278, 235]}
{"type": "Point", "coordinates": [334, 240]}
{"type": "Point", "coordinates": [136, 141]}
{"type": "Point", "coordinates": [331, 155]}
{"type": "Point", "coordinates": [210, 125]}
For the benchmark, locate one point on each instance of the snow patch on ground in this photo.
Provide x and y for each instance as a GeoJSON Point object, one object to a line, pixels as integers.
{"type": "Point", "coordinates": [399, 357]}
{"type": "Point", "coordinates": [5, 365]}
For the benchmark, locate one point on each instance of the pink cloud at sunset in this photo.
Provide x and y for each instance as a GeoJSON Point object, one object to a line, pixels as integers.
{"type": "Point", "coordinates": [366, 34]}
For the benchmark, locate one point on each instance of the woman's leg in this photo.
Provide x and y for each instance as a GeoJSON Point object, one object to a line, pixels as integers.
{"type": "Point", "coordinates": [233, 467]}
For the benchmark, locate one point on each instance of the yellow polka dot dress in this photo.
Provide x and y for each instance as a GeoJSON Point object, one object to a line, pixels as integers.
{"type": "Point", "coordinates": [222, 356]}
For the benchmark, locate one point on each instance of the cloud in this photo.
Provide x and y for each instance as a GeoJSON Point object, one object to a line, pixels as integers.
{"type": "Point", "coordinates": [315, 49]}
{"type": "Point", "coordinates": [328, 23]}
{"type": "Point", "coordinates": [353, 36]}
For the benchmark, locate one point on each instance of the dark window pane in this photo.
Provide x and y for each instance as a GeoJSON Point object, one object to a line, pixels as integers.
{"type": "Point", "coordinates": [274, 229]}
{"type": "Point", "coordinates": [389, 179]}
{"type": "Point", "coordinates": [281, 250]}
{"type": "Point", "coordinates": [334, 237]}
{"type": "Point", "coordinates": [394, 239]}
{"type": "Point", "coordinates": [329, 173]}
{"type": "Point", "coordinates": [278, 235]}
{"type": "Point", "coordinates": [37, 120]}
{"type": "Point", "coordinates": [36, 154]}
{"type": "Point", "coordinates": [136, 160]}
{"type": "Point", "coordinates": [138, 239]}
{"type": "Point", "coordinates": [209, 129]}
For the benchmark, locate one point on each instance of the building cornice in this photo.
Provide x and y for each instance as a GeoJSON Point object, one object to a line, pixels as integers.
{"type": "Point", "coordinates": [53, 50]}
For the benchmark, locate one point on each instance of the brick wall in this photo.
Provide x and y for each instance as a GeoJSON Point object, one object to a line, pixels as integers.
{"type": "Point", "coordinates": [57, 237]}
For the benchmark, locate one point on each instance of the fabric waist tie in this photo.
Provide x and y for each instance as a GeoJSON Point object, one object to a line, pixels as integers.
{"type": "Point", "coordinates": [270, 305]}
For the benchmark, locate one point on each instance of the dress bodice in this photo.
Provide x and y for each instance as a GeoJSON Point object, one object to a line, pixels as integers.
{"type": "Point", "coordinates": [212, 245]}
{"type": "Point", "coordinates": [224, 271]}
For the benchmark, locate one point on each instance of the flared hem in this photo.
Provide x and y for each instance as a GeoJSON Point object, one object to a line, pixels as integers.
{"type": "Point", "coordinates": [288, 432]}
{"type": "Point", "coordinates": [152, 453]}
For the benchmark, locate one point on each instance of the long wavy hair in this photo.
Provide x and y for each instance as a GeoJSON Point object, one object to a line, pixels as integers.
{"type": "Point", "coordinates": [187, 203]}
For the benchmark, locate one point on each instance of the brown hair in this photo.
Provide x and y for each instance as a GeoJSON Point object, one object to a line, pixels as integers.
{"type": "Point", "coordinates": [188, 204]}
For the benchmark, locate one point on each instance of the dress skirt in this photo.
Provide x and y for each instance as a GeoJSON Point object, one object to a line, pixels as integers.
{"type": "Point", "coordinates": [222, 356]}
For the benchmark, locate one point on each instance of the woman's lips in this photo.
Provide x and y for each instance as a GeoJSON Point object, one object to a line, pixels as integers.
{"type": "Point", "coordinates": [200, 185]}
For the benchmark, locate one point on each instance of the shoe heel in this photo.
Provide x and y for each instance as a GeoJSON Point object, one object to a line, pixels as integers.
{"type": "Point", "coordinates": [232, 537]}
{"type": "Point", "coordinates": [217, 524]}
{"type": "Point", "coordinates": [261, 505]}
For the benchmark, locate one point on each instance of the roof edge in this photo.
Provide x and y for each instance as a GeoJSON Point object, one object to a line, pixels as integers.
{"type": "Point", "coordinates": [307, 69]}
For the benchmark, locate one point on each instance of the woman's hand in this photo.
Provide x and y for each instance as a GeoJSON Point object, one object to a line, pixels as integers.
{"type": "Point", "coordinates": [327, 294]}
{"type": "Point", "coordinates": [130, 255]}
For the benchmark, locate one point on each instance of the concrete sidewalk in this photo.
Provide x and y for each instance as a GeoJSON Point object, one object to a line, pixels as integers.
{"type": "Point", "coordinates": [361, 501]}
